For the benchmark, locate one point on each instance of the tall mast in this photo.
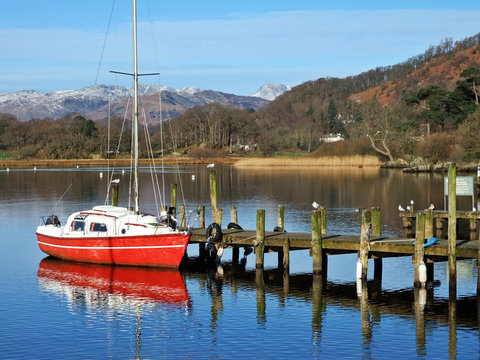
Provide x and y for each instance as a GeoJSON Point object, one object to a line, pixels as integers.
{"type": "Point", "coordinates": [135, 107]}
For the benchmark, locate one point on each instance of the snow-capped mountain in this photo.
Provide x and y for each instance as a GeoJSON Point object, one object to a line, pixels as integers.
{"type": "Point", "coordinates": [93, 101]}
{"type": "Point", "coordinates": [271, 91]}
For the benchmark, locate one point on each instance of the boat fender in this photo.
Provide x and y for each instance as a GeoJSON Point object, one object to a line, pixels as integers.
{"type": "Point", "coordinates": [359, 269]}
{"type": "Point", "coordinates": [214, 233]}
{"type": "Point", "coordinates": [422, 273]}
{"type": "Point", "coordinates": [233, 225]}
{"type": "Point", "coordinates": [279, 229]}
{"type": "Point", "coordinates": [220, 251]}
{"type": "Point", "coordinates": [430, 241]}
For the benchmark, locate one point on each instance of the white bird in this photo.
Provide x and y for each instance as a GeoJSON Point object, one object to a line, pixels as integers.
{"type": "Point", "coordinates": [408, 208]}
{"type": "Point", "coordinates": [115, 181]}
{"type": "Point", "coordinates": [315, 205]}
{"type": "Point", "coordinates": [210, 166]}
{"type": "Point", "coordinates": [400, 208]}
{"type": "Point", "coordinates": [431, 207]}
{"type": "Point", "coordinates": [411, 202]}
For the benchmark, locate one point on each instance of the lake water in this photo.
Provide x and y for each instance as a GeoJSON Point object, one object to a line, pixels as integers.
{"type": "Point", "coordinates": [54, 309]}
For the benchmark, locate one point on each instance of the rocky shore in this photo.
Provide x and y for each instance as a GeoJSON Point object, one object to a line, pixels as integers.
{"type": "Point", "coordinates": [419, 166]}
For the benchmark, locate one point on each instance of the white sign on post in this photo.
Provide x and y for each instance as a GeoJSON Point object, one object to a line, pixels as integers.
{"type": "Point", "coordinates": [464, 187]}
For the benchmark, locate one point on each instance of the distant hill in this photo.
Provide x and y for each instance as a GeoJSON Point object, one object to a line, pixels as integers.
{"type": "Point", "coordinates": [93, 101]}
{"type": "Point", "coordinates": [309, 102]}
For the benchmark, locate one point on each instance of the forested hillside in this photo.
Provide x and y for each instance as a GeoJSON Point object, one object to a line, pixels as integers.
{"type": "Point", "coordinates": [426, 107]}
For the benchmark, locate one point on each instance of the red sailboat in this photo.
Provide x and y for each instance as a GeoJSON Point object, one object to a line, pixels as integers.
{"type": "Point", "coordinates": [117, 235]}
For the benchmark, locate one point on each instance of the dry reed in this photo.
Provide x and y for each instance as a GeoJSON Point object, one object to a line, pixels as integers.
{"type": "Point", "coordinates": [354, 160]}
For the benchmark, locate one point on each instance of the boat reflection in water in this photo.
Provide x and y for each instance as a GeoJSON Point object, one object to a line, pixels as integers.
{"type": "Point", "coordinates": [94, 285]}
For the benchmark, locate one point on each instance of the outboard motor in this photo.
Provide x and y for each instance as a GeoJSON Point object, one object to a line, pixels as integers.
{"type": "Point", "coordinates": [52, 220]}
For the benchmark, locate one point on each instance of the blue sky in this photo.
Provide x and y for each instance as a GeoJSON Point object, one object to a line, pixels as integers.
{"type": "Point", "coordinates": [230, 46]}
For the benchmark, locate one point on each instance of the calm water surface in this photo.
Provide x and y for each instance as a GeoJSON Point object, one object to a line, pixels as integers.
{"type": "Point", "coordinates": [53, 309]}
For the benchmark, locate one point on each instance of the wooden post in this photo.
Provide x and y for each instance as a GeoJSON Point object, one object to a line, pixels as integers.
{"type": "Point", "coordinates": [323, 220]}
{"type": "Point", "coordinates": [235, 255]}
{"type": "Point", "coordinates": [219, 216]}
{"type": "Point", "coordinates": [281, 216]}
{"type": "Point", "coordinates": [419, 248]}
{"type": "Point", "coordinates": [452, 230]}
{"type": "Point", "coordinates": [233, 214]}
{"type": "Point", "coordinates": [115, 187]}
{"type": "Point", "coordinates": [201, 216]}
{"type": "Point", "coordinates": [201, 224]}
{"type": "Point", "coordinates": [317, 251]}
{"type": "Point", "coordinates": [439, 227]}
{"type": "Point", "coordinates": [429, 228]}
{"type": "Point", "coordinates": [183, 220]}
{"type": "Point", "coordinates": [213, 194]}
{"type": "Point", "coordinates": [364, 238]}
{"type": "Point", "coordinates": [286, 255]}
{"type": "Point", "coordinates": [260, 239]}
{"type": "Point", "coordinates": [473, 229]}
{"type": "Point", "coordinates": [377, 232]}
{"type": "Point", "coordinates": [173, 199]}
{"type": "Point", "coordinates": [376, 226]}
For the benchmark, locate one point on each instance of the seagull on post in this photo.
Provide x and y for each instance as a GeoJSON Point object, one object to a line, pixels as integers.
{"type": "Point", "coordinates": [411, 202]}
{"type": "Point", "coordinates": [400, 208]}
{"type": "Point", "coordinates": [115, 181]}
{"type": "Point", "coordinates": [315, 205]}
{"type": "Point", "coordinates": [210, 166]}
{"type": "Point", "coordinates": [431, 207]}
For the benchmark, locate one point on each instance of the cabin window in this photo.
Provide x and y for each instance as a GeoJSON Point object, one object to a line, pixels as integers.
{"type": "Point", "coordinates": [77, 225]}
{"type": "Point", "coordinates": [98, 227]}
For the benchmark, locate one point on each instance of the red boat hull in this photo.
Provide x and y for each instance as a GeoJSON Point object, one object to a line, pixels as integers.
{"type": "Point", "coordinates": [161, 250]}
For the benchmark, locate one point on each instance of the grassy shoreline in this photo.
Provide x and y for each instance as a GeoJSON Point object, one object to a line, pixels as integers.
{"type": "Point", "coordinates": [237, 161]}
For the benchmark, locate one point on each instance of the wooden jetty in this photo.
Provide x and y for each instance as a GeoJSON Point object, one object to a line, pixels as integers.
{"type": "Point", "coordinates": [368, 243]}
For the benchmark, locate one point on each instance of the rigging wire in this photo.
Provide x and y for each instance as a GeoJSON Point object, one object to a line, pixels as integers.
{"type": "Point", "coordinates": [61, 197]}
{"type": "Point", "coordinates": [105, 41]}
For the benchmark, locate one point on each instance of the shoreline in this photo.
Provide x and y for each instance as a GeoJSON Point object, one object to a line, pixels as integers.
{"type": "Point", "coordinates": [267, 162]}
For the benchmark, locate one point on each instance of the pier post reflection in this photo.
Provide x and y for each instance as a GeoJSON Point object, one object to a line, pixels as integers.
{"type": "Point", "coordinates": [260, 292]}
{"type": "Point", "coordinates": [317, 306]}
{"type": "Point", "coordinates": [420, 298]}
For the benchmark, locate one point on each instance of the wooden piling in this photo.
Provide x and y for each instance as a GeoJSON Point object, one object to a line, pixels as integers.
{"type": "Point", "coordinates": [377, 232]}
{"type": "Point", "coordinates": [201, 224]}
{"type": "Point", "coordinates": [364, 246]}
{"type": "Point", "coordinates": [419, 248]}
{"type": "Point", "coordinates": [219, 216]}
{"type": "Point", "coordinates": [286, 255]}
{"type": "Point", "coordinates": [115, 194]}
{"type": "Point", "coordinates": [201, 216]}
{"type": "Point", "coordinates": [183, 220]}
{"type": "Point", "coordinates": [213, 193]}
{"type": "Point", "coordinates": [317, 251]}
{"type": "Point", "coordinates": [452, 230]}
{"type": "Point", "coordinates": [376, 225]}
{"type": "Point", "coordinates": [429, 228]}
{"type": "Point", "coordinates": [281, 216]}
{"type": "Point", "coordinates": [260, 239]}
{"type": "Point", "coordinates": [323, 220]}
{"type": "Point", "coordinates": [233, 214]}
{"type": "Point", "coordinates": [173, 199]}
{"type": "Point", "coordinates": [439, 228]}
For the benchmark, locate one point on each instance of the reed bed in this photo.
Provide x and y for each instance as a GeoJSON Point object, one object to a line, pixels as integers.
{"type": "Point", "coordinates": [354, 160]}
